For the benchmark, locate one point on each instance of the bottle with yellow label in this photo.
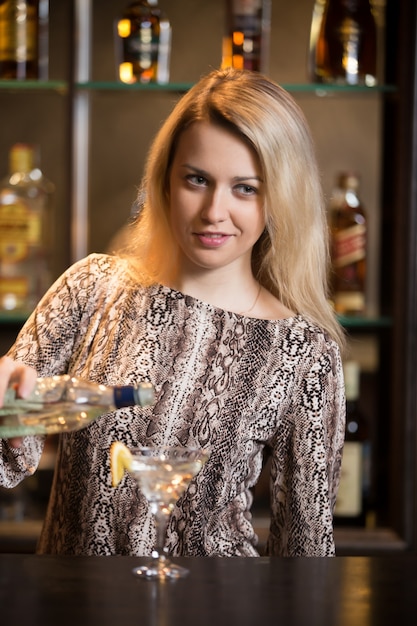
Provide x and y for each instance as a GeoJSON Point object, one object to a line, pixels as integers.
{"type": "Point", "coordinates": [24, 39]}
{"type": "Point", "coordinates": [25, 232]}
{"type": "Point", "coordinates": [348, 231]}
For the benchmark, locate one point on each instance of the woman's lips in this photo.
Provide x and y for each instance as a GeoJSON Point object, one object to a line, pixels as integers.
{"type": "Point", "coordinates": [212, 240]}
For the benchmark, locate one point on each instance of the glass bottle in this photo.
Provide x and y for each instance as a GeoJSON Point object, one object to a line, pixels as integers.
{"type": "Point", "coordinates": [143, 44]}
{"type": "Point", "coordinates": [25, 232]}
{"type": "Point", "coordinates": [66, 403]}
{"type": "Point", "coordinates": [348, 231]}
{"type": "Point", "coordinates": [246, 41]}
{"type": "Point", "coordinates": [343, 43]}
{"type": "Point", "coordinates": [352, 500]}
{"type": "Point", "coordinates": [24, 39]}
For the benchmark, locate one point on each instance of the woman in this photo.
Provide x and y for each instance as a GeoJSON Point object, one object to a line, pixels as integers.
{"type": "Point", "coordinates": [220, 301]}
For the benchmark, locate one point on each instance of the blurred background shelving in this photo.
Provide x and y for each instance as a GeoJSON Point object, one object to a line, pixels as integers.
{"type": "Point", "coordinates": [94, 135]}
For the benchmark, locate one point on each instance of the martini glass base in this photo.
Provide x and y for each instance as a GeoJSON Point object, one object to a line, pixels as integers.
{"type": "Point", "coordinates": [160, 568]}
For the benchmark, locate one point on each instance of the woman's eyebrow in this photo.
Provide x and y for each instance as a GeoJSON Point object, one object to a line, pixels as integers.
{"type": "Point", "coordinates": [198, 170]}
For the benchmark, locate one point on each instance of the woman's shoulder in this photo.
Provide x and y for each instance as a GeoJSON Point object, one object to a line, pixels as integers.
{"type": "Point", "coordinates": [94, 278]}
{"type": "Point", "coordinates": [311, 338]}
{"type": "Point", "coordinates": [100, 266]}
{"type": "Point", "coordinates": [98, 262]}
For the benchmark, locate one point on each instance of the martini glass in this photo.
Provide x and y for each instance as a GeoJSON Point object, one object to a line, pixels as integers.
{"type": "Point", "coordinates": [163, 473]}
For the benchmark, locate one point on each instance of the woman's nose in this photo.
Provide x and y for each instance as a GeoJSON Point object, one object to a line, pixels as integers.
{"type": "Point", "coordinates": [215, 206]}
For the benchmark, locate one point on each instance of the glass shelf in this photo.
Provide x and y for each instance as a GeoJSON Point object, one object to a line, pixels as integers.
{"type": "Point", "coordinates": [310, 88]}
{"type": "Point", "coordinates": [117, 86]}
{"type": "Point", "coordinates": [317, 89]}
{"type": "Point", "coordinates": [321, 89]}
{"type": "Point", "coordinates": [34, 85]}
{"type": "Point", "coordinates": [12, 318]}
{"type": "Point", "coordinates": [364, 323]}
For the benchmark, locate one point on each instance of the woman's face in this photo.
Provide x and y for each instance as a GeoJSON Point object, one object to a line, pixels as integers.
{"type": "Point", "coordinates": [216, 198]}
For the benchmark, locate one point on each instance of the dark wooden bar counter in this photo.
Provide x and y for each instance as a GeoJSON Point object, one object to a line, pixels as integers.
{"type": "Point", "coordinates": [342, 591]}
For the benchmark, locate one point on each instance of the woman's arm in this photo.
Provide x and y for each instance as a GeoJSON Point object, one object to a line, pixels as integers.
{"type": "Point", "coordinates": [306, 460]}
{"type": "Point", "coordinates": [21, 376]}
{"type": "Point", "coordinates": [43, 347]}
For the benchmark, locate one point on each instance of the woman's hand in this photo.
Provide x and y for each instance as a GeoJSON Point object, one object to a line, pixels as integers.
{"type": "Point", "coordinates": [22, 377]}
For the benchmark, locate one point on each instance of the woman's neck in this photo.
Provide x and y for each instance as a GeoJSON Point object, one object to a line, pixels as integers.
{"type": "Point", "coordinates": [225, 289]}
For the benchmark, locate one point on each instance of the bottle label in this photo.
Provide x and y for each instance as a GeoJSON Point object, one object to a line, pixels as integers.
{"type": "Point", "coordinates": [349, 245]}
{"type": "Point", "coordinates": [349, 496]}
{"type": "Point", "coordinates": [20, 228]}
{"type": "Point", "coordinates": [138, 41]}
{"type": "Point", "coordinates": [143, 49]}
{"type": "Point", "coordinates": [18, 25]}
{"type": "Point", "coordinates": [349, 301]}
{"type": "Point", "coordinates": [349, 37]}
{"type": "Point", "coordinates": [124, 395]}
{"type": "Point", "coordinates": [127, 395]}
{"type": "Point", "coordinates": [13, 292]}
{"type": "Point", "coordinates": [164, 52]}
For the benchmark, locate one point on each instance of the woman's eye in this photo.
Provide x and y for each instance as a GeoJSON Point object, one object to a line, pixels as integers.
{"type": "Point", "coordinates": [196, 179]}
{"type": "Point", "coordinates": [246, 190]}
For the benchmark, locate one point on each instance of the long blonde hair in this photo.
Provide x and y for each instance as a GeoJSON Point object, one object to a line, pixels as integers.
{"type": "Point", "coordinates": [291, 258]}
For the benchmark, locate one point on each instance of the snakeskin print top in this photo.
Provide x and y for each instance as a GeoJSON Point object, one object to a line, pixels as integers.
{"type": "Point", "coordinates": [233, 383]}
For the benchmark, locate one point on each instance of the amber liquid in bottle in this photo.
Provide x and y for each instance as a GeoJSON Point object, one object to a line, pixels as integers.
{"type": "Point", "coordinates": [246, 41]}
{"type": "Point", "coordinates": [348, 231]}
{"type": "Point", "coordinates": [143, 44]}
{"type": "Point", "coordinates": [25, 232]}
{"type": "Point", "coordinates": [23, 39]}
{"type": "Point", "coordinates": [343, 44]}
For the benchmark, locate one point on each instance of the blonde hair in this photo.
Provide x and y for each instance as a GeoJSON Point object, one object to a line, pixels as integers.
{"type": "Point", "coordinates": [291, 258]}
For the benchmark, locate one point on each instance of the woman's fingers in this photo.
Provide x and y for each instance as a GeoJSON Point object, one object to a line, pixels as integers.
{"type": "Point", "coordinates": [18, 374]}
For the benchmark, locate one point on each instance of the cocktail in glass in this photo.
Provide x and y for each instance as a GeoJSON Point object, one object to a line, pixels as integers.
{"type": "Point", "coordinates": [163, 473]}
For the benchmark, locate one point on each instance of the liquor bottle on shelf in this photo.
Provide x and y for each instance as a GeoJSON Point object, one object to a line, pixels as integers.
{"type": "Point", "coordinates": [66, 403]}
{"type": "Point", "coordinates": [25, 232]}
{"type": "Point", "coordinates": [343, 43]}
{"type": "Point", "coordinates": [143, 44]}
{"type": "Point", "coordinates": [353, 498]}
{"type": "Point", "coordinates": [348, 232]}
{"type": "Point", "coordinates": [246, 40]}
{"type": "Point", "coordinates": [24, 39]}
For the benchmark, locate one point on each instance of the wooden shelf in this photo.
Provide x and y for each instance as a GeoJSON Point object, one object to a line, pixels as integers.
{"type": "Point", "coordinates": [20, 537]}
{"type": "Point", "coordinates": [349, 541]}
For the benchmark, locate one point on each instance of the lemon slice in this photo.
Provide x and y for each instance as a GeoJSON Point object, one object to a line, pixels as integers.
{"type": "Point", "coordinates": [120, 461]}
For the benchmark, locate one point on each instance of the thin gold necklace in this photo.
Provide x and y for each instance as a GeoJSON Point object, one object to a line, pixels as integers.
{"type": "Point", "coordinates": [254, 304]}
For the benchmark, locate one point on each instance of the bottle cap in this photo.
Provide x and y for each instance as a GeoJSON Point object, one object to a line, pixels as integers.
{"type": "Point", "coordinates": [348, 180]}
{"type": "Point", "coordinates": [21, 158]}
{"type": "Point", "coordinates": [128, 395]}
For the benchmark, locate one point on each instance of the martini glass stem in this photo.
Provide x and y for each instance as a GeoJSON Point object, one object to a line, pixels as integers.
{"type": "Point", "coordinates": [161, 516]}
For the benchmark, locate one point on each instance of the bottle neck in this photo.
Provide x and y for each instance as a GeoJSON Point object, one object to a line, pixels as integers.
{"type": "Point", "coordinates": [351, 373]}
{"type": "Point", "coordinates": [21, 159]}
